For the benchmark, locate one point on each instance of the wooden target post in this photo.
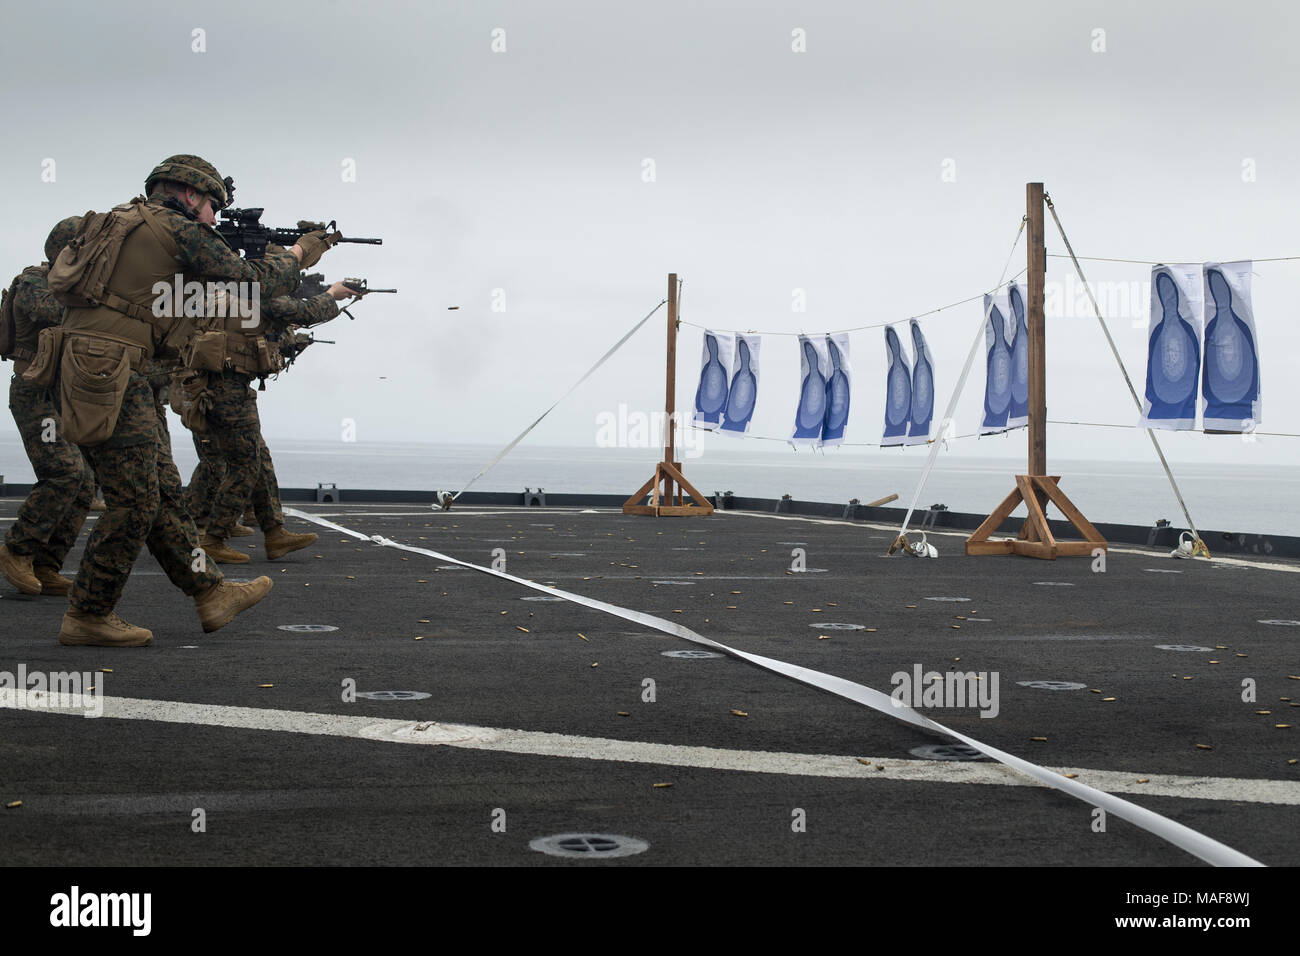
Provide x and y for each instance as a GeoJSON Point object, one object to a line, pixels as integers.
{"type": "Point", "coordinates": [1036, 488]}
{"type": "Point", "coordinates": [670, 493]}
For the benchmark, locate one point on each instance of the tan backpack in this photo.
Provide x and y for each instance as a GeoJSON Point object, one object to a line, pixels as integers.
{"type": "Point", "coordinates": [79, 277]}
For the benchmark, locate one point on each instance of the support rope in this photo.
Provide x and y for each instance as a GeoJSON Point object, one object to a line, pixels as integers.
{"type": "Point", "coordinates": [1054, 421]}
{"type": "Point", "coordinates": [1149, 262]}
{"type": "Point", "coordinates": [446, 499]}
{"type": "Point", "coordinates": [1199, 545]}
{"type": "Point", "coordinates": [863, 328]}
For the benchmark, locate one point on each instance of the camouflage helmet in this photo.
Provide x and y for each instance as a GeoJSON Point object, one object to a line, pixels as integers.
{"type": "Point", "coordinates": [60, 236]}
{"type": "Point", "coordinates": [189, 171]}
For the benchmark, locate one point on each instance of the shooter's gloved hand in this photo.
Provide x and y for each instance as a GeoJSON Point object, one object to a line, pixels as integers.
{"type": "Point", "coordinates": [314, 244]}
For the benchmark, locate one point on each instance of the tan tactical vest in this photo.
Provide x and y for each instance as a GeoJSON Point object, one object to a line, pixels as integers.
{"type": "Point", "coordinates": [125, 311]}
{"type": "Point", "coordinates": [224, 344]}
{"type": "Point", "coordinates": [247, 350]}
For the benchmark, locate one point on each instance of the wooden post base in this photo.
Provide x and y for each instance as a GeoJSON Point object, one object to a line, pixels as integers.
{"type": "Point", "coordinates": [1036, 539]}
{"type": "Point", "coordinates": [664, 500]}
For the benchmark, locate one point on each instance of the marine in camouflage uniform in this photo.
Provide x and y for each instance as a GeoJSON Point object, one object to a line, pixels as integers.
{"type": "Point", "coordinates": [51, 518]}
{"type": "Point", "coordinates": [234, 431]}
{"type": "Point", "coordinates": [134, 464]}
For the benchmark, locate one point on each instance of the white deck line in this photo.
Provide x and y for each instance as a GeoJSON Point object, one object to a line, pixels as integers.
{"type": "Point", "coordinates": [542, 744]}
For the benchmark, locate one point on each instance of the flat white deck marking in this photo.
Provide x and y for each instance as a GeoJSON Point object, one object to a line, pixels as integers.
{"type": "Point", "coordinates": [540, 744]}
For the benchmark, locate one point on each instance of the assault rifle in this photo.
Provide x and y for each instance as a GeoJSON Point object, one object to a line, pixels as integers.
{"type": "Point", "coordinates": [361, 287]}
{"type": "Point", "coordinates": [242, 229]}
{"type": "Point", "coordinates": [313, 283]}
{"type": "Point", "coordinates": [295, 345]}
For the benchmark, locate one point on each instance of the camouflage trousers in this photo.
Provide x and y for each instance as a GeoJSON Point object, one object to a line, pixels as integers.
{"type": "Point", "coordinates": [211, 470]}
{"type": "Point", "coordinates": [51, 518]}
{"type": "Point", "coordinates": [146, 507]}
{"type": "Point", "coordinates": [238, 460]}
{"type": "Point", "coordinates": [205, 481]}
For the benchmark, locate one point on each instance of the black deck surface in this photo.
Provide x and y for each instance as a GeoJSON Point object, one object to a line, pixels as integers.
{"type": "Point", "coordinates": [119, 791]}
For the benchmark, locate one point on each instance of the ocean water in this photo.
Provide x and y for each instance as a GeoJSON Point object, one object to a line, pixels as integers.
{"type": "Point", "coordinates": [1261, 500]}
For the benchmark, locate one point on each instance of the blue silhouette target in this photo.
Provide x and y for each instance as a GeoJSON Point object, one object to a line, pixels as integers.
{"type": "Point", "coordinates": [922, 412]}
{"type": "Point", "coordinates": [711, 395]}
{"type": "Point", "coordinates": [997, 366]}
{"type": "Point", "coordinates": [1018, 414]}
{"type": "Point", "coordinates": [898, 391]}
{"type": "Point", "coordinates": [1173, 348]}
{"type": "Point", "coordinates": [743, 395]}
{"type": "Point", "coordinates": [838, 388]}
{"type": "Point", "coordinates": [1230, 386]}
{"type": "Point", "coordinates": [810, 416]}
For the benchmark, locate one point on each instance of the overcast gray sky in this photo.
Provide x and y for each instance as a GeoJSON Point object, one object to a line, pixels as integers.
{"type": "Point", "coordinates": [524, 171]}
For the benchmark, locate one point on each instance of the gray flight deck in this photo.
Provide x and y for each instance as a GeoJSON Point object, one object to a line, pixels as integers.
{"type": "Point", "coordinates": [548, 727]}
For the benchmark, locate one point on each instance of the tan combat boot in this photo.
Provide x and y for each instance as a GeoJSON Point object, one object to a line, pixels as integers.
{"type": "Point", "coordinates": [280, 542]}
{"type": "Point", "coordinates": [216, 549]}
{"type": "Point", "coordinates": [17, 569]}
{"type": "Point", "coordinates": [241, 531]}
{"type": "Point", "coordinates": [94, 630]}
{"type": "Point", "coordinates": [218, 605]}
{"type": "Point", "coordinates": [52, 582]}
